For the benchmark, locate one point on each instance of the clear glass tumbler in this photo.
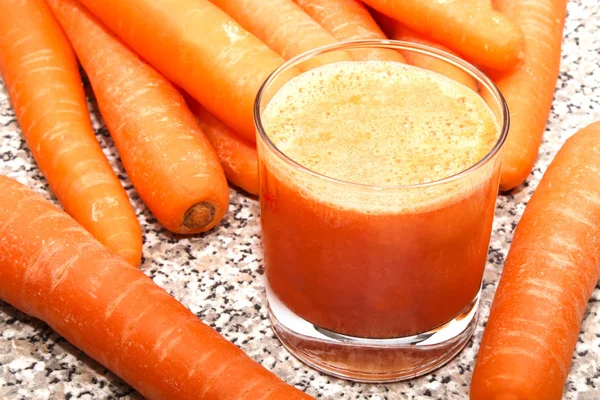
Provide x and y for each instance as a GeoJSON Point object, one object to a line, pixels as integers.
{"type": "Point", "coordinates": [365, 294]}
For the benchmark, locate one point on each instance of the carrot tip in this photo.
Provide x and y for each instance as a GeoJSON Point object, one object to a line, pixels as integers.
{"type": "Point", "coordinates": [199, 215]}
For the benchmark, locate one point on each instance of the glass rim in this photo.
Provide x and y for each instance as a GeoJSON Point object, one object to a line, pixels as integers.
{"type": "Point", "coordinates": [396, 45]}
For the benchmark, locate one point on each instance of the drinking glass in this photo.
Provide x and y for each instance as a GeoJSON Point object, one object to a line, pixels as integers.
{"type": "Point", "coordinates": [357, 287]}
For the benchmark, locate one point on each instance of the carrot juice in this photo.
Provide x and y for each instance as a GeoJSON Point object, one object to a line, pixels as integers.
{"type": "Point", "coordinates": [377, 197]}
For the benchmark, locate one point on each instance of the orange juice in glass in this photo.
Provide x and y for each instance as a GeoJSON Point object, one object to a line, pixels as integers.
{"type": "Point", "coordinates": [378, 188]}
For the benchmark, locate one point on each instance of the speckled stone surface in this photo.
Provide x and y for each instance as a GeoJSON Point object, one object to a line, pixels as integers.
{"type": "Point", "coordinates": [219, 275]}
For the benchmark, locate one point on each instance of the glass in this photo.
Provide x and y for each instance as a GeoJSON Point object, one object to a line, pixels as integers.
{"type": "Point", "coordinates": [370, 295]}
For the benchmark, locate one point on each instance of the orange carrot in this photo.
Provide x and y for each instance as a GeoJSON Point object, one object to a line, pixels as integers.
{"type": "Point", "coordinates": [284, 27]}
{"type": "Point", "coordinates": [395, 30]}
{"type": "Point", "coordinates": [238, 157]}
{"type": "Point", "coordinates": [169, 161]}
{"type": "Point", "coordinates": [529, 89]}
{"type": "Point", "coordinates": [54, 270]}
{"type": "Point", "coordinates": [199, 48]}
{"type": "Point", "coordinates": [42, 77]}
{"type": "Point", "coordinates": [349, 20]}
{"type": "Point", "coordinates": [549, 275]}
{"type": "Point", "coordinates": [470, 27]}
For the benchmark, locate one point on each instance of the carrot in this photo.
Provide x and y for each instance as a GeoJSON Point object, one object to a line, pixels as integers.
{"type": "Point", "coordinates": [349, 20]}
{"type": "Point", "coordinates": [42, 77]}
{"type": "Point", "coordinates": [199, 48]}
{"type": "Point", "coordinates": [395, 30]}
{"type": "Point", "coordinates": [238, 157]}
{"type": "Point", "coordinates": [529, 89]}
{"type": "Point", "coordinates": [470, 27]}
{"type": "Point", "coordinates": [285, 28]}
{"type": "Point", "coordinates": [169, 161]}
{"type": "Point", "coordinates": [52, 269]}
{"type": "Point", "coordinates": [549, 275]}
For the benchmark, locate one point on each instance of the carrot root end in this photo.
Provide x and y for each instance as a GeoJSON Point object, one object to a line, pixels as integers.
{"type": "Point", "coordinates": [199, 215]}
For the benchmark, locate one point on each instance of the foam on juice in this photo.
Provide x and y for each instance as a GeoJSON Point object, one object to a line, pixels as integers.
{"type": "Point", "coordinates": [379, 123]}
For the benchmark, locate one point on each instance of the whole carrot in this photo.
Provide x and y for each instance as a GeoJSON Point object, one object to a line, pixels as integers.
{"type": "Point", "coordinates": [349, 20]}
{"type": "Point", "coordinates": [169, 161]}
{"type": "Point", "coordinates": [549, 275]}
{"type": "Point", "coordinates": [284, 27]}
{"type": "Point", "coordinates": [395, 30]}
{"type": "Point", "coordinates": [42, 77]}
{"type": "Point", "coordinates": [54, 270]}
{"type": "Point", "coordinates": [198, 47]}
{"type": "Point", "coordinates": [529, 88]}
{"type": "Point", "coordinates": [470, 27]}
{"type": "Point", "coordinates": [238, 157]}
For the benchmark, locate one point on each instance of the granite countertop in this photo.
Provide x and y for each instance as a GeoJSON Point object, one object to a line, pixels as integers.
{"type": "Point", "coordinates": [219, 275]}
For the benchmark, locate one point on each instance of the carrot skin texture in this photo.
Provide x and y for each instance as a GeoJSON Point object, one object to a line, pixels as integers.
{"type": "Point", "coordinates": [349, 20]}
{"type": "Point", "coordinates": [469, 27]}
{"type": "Point", "coordinates": [168, 159]}
{"type": "Point", "coordinates": [42, 77]}
{"type": "Point", "coordinates": [52, 269]}
{"type": "Point", "coordinates": [550, 273]}
{"type": "Point", "coordinates": [529, 88]}
{"type": "Point", "coordinates": [395, 30]}
{"type": "Point", "coordinates": [238, 157]}
{"type": "Point", "coordinates": [287, 29]}
{"type": "Point", "coordinates": [199, 48]}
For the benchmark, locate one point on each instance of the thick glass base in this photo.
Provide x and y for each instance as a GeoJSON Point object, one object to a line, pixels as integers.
{"type": "Point", "coordinates": [371, 360]}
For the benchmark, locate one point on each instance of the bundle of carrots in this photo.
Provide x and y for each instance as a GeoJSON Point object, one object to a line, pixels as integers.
{"type": "Point", "coordinates": [219, 52]}
{"type": "Point", "coordinates": [176, 86]}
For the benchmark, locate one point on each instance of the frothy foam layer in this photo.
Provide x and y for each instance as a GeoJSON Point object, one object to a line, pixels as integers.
{"type": "Point", "coordinates": [380, 123]}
